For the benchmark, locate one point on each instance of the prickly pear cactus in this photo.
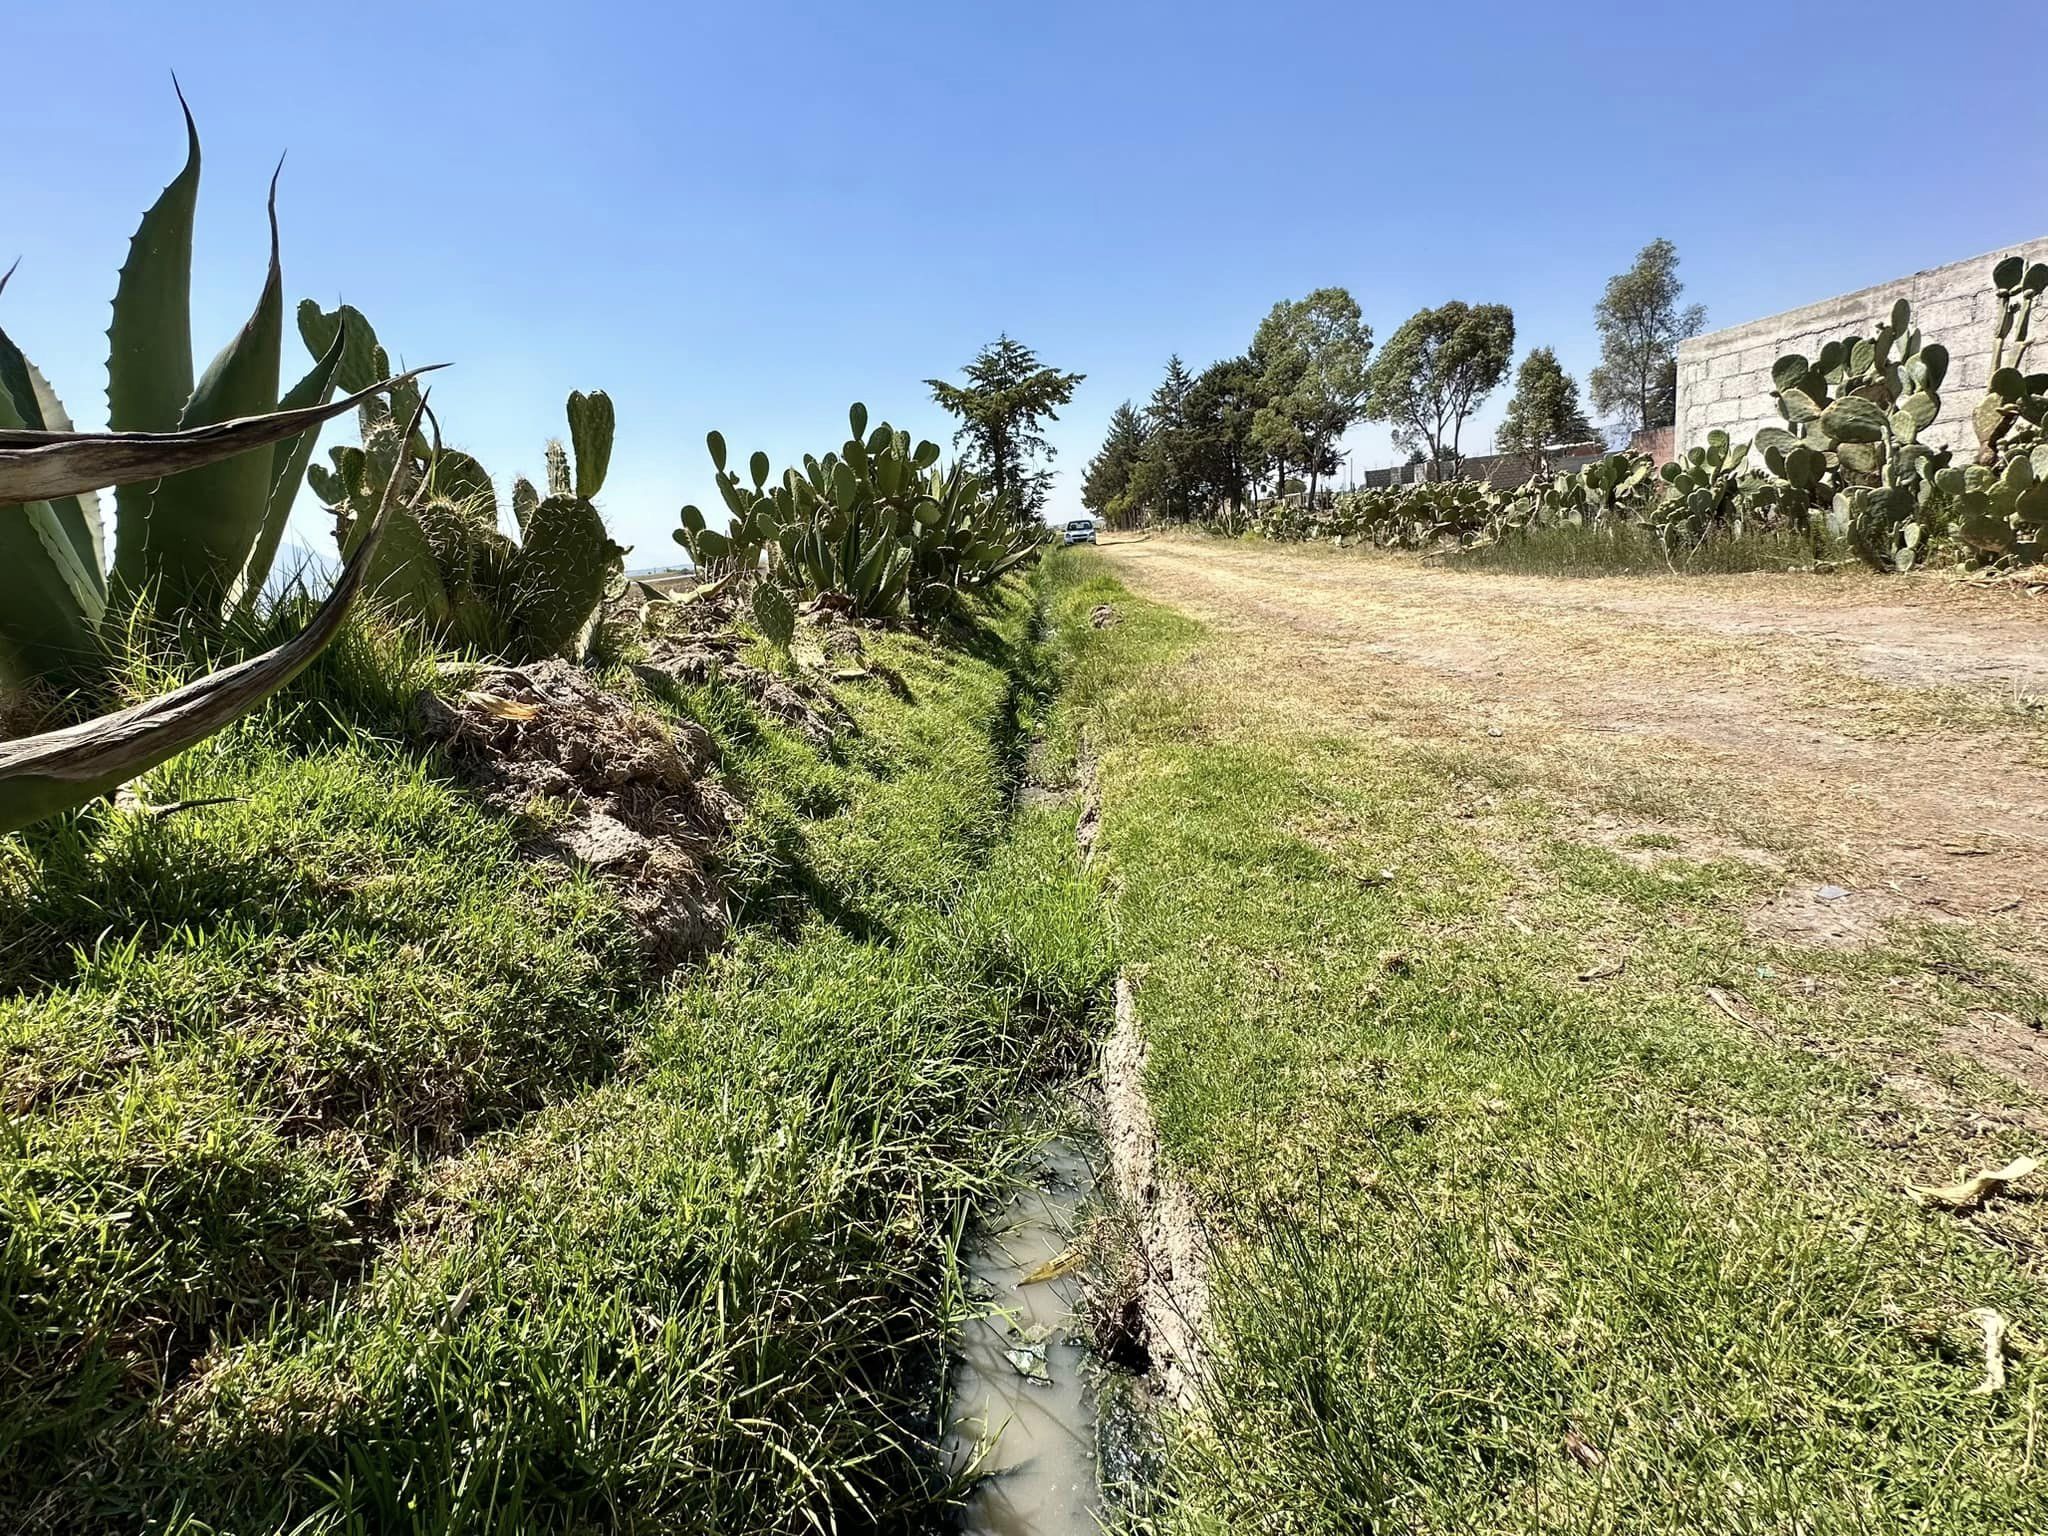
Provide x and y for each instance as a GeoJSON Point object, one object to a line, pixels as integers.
{"type": "Point", "coordinates": [563, 566]}
{"type": "Point", "coordinates": [451, 569]}
{"type": "Point", "coordinates": [875, 523]}
{"type": "Point", "coordinates": [590, 432]}
{"type": "Point", "coordinates": [1851, 444]}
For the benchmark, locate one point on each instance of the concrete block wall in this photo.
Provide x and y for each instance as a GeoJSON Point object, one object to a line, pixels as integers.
{"type": "Point", "coordinates": [1724, 377]}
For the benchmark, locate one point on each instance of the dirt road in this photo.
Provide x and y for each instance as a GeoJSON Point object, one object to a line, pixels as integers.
{"type": "Point", "coordinates": [1886, 742]}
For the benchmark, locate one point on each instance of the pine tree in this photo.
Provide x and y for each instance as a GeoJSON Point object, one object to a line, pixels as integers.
{"type": "Point", "coordinates": [1008, 395]}
{"type": "Point", "coordinates": [1106, 486]}
{"type": "Point", "coordinates": [1164, 482]}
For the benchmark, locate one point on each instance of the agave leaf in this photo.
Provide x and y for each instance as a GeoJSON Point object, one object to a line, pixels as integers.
{"type": "Point", "coordinates": [50, 600]}
{"type": "Point", "coordinates": [42, 775]}
{"type": "Point", "coordinates": [204, 523]}
{"type": "Point", "coordinates": [82, 511]}
{"type": "Point", "coordinates": [37, 466]}
{"type": "Point", "coordinates": [33, 405]}
{"type": "Point", "coordinates": [290, 457]}
{"type": "Point", "coordinates": [149, 362]}
{"type": "Point", "coordinates": [49, 620]}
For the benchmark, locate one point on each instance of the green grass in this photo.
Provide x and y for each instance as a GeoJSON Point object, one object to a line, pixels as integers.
{"type": "Point", "coordinates": [354, 1182]}
{"type": "Point", "coordinates": [1632, 551]}
{"type": "Point", "coordinates": [1482, 1222]}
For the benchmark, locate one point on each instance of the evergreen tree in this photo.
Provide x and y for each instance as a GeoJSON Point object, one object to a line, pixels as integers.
{"type": "Point", "coordinates": [1002, 407]}
{"type": "Point", "coordinates": [1222, 410]}
{"type": "Point", "coordinates": [1106, 486]}
{"type": "Point", "coordinates": [1164, 484]}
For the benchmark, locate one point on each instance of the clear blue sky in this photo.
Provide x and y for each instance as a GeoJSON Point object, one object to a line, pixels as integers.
{"type": "Point", "coordinates": [745, 216]}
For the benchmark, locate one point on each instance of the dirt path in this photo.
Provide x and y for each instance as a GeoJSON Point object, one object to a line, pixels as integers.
{"type": "Point", "coordinates": [1884, 738]}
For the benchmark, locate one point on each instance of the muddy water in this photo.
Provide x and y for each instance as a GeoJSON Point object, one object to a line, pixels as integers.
{"type": "Point", "coordinates": [1021, 1395]}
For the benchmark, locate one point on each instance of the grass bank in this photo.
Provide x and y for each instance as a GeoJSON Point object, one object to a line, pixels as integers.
{"type": "Point", "coordinates": [1549, 1196]}
{"type": "Point", "coordinates": [355, 1180]}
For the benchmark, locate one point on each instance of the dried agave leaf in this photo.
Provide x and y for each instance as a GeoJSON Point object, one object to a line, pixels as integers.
{"type": "Point", "coordinates": [43, 466]}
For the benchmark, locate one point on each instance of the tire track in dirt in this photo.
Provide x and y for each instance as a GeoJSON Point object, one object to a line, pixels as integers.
{"type": "Point", "coordinates": [1888, 722]}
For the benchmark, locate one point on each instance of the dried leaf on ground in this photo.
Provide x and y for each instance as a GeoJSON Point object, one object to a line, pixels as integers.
{"type": "Point", "coordinates": [502, 709]}
{"type": "Point", "coordinates": [1979, 1188]}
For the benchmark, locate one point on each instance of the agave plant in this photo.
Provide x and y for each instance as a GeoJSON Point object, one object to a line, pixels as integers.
{"type": "Point", "coordinates": [58, 770]}
{"type": "Point", "coordinates": [205, 471]}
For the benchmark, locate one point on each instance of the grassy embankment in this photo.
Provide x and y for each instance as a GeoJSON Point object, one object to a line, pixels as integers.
{"type": "Point", "coordinates": [1520, 1230]}
{"type": "Point", "coordinates": [355, 1178]}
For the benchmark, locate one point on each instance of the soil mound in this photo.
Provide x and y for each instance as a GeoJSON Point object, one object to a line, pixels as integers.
{"type": "Point", "coordinates": [618, 790]}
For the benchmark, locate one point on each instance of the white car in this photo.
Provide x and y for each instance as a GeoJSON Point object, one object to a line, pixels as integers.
{"type": "Point", "coordinates": [1079, 530]}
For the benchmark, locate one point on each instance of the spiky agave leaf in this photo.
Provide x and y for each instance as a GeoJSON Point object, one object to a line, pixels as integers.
{"type": "Point", "coordinates": [37, 408]}
{"type": "Point", "coordinates": [50, 601]}
{"type": "Point", "coordinates": [204, 523]}
{"type": "Point", "coordinates": [289, 459]}
{"type": "Point", "coordinates": [52, 590]}
{"type": "Point", "coordinates": [149, 361]}
{"type": "Point", "coordinates": [43, 775]}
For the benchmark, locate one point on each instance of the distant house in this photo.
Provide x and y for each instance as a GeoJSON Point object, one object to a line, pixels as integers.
{"type": "Point", "coordinates": [1503, 471]}
{"type": "Point", "coordinates": [1660, 443]}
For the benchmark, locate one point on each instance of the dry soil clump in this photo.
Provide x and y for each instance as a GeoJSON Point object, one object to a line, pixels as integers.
{"type": "Point", "coordinates": [611, 787]}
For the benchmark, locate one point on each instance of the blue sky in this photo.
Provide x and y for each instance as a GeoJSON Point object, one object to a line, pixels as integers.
{"type": "Point", "coordinates": [746, 216]}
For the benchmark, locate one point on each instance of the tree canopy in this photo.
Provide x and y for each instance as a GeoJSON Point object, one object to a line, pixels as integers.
{"type": "Point", "coordinates": [1106, 484]}
{"type": "Point", "coordinates": [1164, 483]}
{"type": "Point", "coordinates": [1007, 398]}
{"type": "Point", "coordinates": [1544, 411]}
{"type": "Point", "coordinates": [1314, 362]}
{"type": "Point", "coordinates": [1641, 325]}
{"type": "Point", "coordinates": [1435, 369]}
{"type": "Point", "coordinates": [1222, 409]}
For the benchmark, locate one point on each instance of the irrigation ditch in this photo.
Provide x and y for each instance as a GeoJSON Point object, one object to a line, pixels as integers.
{"type": "Point", "coordinates": [1088, 1284]}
